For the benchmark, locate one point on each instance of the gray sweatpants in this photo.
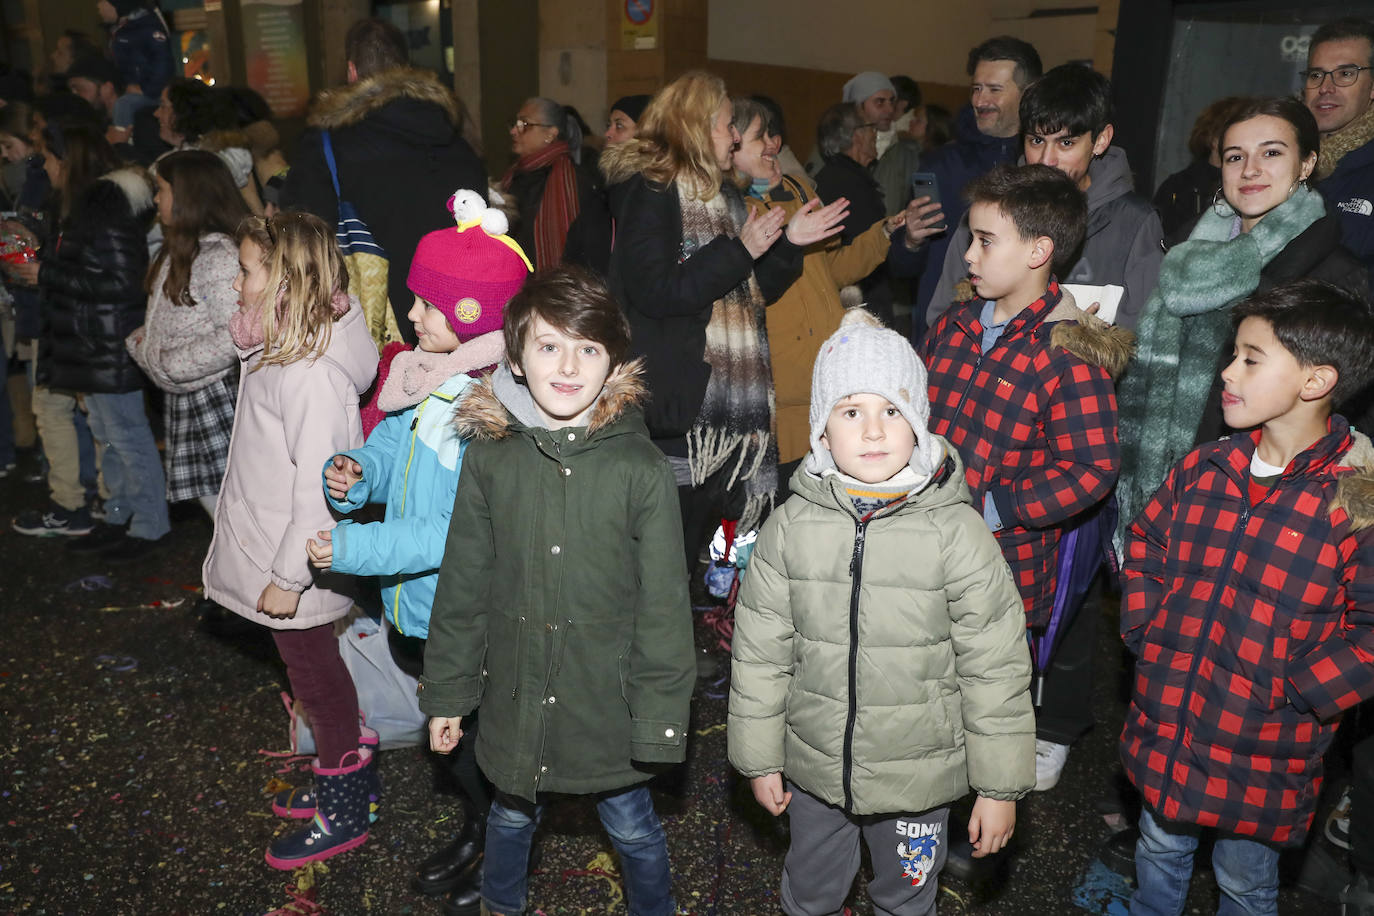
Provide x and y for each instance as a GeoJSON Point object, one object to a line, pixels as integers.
{"type": "Point", "coordinates": [908, 851]}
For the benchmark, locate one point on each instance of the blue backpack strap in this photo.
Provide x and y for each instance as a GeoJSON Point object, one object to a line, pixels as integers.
{"type": "Point", "coordinates": [329, 161]}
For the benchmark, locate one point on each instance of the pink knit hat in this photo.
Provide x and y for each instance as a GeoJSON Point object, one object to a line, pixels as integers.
{"type": "Point", "coordinates": [471, 272]}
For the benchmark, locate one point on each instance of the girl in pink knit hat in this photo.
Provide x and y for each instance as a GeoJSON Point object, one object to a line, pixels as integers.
{"type": "Point", "coordinates": [462, 279]}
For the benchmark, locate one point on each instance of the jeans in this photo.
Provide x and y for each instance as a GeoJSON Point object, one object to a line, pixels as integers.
{"type": "Point", "coordinates": [635, 831]}
{"type": "Point", "coordinates": [1247, 871]}
{"type": "Point", "coordinates": [131, 466]}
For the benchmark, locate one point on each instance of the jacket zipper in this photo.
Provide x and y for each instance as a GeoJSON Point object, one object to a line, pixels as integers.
{"type": "Point", "coordinates": [856, 563]}
{"type": "Point", "coordinates": [1227, 564]}
{"type": "Point", "coordinates": [519, 654]}
{"type": "Point", "coordinates": [405, 493]}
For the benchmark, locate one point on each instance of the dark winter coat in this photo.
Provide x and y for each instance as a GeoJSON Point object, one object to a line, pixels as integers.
{"type": "Point", "coordinates": [1253, 629]}
{"type": "Point", "coordinates": [1034, 421]}
{"type": "Point", "coordinates": [842, 176]}
{"type": "Point", "coordinates": [1315, 254]}
{"type": "Point", "coordinates": [91, 288]}
{"type": "Point", "coordinates": [1349, 190]}
{"type": "Point", "coordinates": [1122, 247]}
{"type": "Point", "coordinates": [668, 296]}
{"type": "Point", "coordinates": [592, 235]}
{"type": "Point", "coordinates": [401, 155]}
{"type": "Point", "coordinates": [971, 154]}
{"type": "Point", "coordinates": [142, 52]}
{"type": "Point", "coordinates": [561, 607]}
{"type": "Point", "coordinates": [527, 188]}
{"type": "Point", "coordinates": [1183, 196]}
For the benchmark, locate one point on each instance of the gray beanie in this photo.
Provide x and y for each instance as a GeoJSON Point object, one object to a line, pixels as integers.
{"type": "Point", "coordinates": [860, 88]}
{"type": "Point", "coordinates": [863, 357]}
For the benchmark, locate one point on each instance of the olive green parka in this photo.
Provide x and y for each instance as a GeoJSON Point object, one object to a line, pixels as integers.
{"type": "Point", "coordinates": [561, 607]}
{"type": "Point", "coordinates": [882, 664]}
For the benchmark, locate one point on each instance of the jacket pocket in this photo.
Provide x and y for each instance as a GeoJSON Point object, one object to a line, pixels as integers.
{"type": "Point", "coordinates": [248, 534]}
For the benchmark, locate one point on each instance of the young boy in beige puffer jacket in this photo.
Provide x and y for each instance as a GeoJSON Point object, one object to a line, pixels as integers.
{"type": "Point", "coordinates": [880, 657]}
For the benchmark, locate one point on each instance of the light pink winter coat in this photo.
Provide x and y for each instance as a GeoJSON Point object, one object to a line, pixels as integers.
{"type": "Point", "coordinates": [289, 421]}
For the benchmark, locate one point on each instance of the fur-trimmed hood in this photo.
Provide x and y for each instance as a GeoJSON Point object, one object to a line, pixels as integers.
{"type": "Point", "coordinates": [623, 160]}
{"type": "Point", "coordinates": [345, 106]}
{"type": "Point", "coordinates": [1090, 338]}
{"type": "Point", "coordinates": [483, 415]}
{"type": "Point", "coordinates": [132, 182]}
{"type": "Point", "coordinates": [1355, 492]}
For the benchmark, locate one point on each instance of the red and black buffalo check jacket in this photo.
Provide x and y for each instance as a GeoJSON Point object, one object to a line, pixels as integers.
{"type": "Point", "coordinates": [1253, 628]}
{"type": "Point", "coordinates": [1034, 420]}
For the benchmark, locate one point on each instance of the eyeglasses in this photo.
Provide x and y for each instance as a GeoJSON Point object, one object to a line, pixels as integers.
{"type": "Point", "coordinates": [1341, 76]}
{"type": "Point", "coordinates": [521, 125]}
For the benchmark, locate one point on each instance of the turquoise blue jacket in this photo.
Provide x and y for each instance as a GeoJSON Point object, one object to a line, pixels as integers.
{"type": "Point", "coordinates": [410, 462]}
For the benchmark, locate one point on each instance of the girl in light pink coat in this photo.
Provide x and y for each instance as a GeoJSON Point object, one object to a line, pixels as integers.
{"type": "Point", "coordinates": [306, 354]}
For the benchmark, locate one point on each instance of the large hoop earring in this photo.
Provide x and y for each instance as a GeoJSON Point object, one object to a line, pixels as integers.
{"type": "Point", "coordinates": [1218, 202]}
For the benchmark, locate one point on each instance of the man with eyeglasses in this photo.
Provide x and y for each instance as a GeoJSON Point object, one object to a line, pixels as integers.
{"type": "Point", "coordinates": [1338, 88]}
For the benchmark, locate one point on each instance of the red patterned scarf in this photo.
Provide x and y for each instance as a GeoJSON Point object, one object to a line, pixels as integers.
{"type": "Point", "coordinates": [559, 204]}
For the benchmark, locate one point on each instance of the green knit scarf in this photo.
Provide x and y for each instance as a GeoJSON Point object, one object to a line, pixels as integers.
{"type": "Point", "coordinates": [1185, 326]}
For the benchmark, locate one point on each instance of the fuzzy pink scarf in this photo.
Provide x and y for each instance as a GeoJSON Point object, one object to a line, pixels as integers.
{"type": "Point", "coordinates": [245, 325]}
{"type": "Point", "coordinates": [414, 374]}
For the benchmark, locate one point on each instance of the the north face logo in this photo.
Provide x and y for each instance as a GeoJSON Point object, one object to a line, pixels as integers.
{"type": "Point", "coordinates": [1357, 205]}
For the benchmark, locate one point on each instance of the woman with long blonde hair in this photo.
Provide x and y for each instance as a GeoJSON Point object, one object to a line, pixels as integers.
{"type": "Point", "coordinates": [305, 355]}
{"type": "Point", "coordinates": [694, 267]}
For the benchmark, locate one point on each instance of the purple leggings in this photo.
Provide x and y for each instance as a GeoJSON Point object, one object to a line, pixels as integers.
{"type": "Point", "coordinates": [322, 684]}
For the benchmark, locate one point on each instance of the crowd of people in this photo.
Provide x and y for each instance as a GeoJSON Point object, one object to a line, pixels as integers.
{"type": "Point", "coordinates": [558, 381]}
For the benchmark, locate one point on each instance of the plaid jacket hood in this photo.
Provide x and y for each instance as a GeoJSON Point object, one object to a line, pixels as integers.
{"type": "Point", "coordinates": [1253, 628]}
{"type": "Point", "coordinates": [1034, 421]}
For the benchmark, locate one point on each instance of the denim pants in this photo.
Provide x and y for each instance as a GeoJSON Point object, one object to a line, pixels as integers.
{"type": "Point", "coordinates": [131, 466]}
{"type": "Point", "coordinates": [1247, 871]}
{"type": "Point", "coordinates": [628, 816]}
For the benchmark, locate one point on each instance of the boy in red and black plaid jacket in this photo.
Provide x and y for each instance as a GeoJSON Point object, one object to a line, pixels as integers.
{"type": "Point", "coordinates": [1249, 604]}
{"type": "Point", "coordinates": [1021, 384]}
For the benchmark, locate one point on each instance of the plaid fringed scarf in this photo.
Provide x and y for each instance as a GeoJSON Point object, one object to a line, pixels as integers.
{"type": "Point", "coordinates": [734, 430]}
{"type": "Point", "coordinates": [558, 205]}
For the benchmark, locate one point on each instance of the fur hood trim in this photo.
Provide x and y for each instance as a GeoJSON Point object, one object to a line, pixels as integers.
{"type": "Point", "coordinates": [481, 415]}
{"type": "Point", "coordinates": [1355, 492]}
{"type": "Point", "coordinates": [623, 160]}
{"type": "Point", "coordinates": [133, 183]}
{"type": "Point", "coordinates": [345, 106]}
{"type": "Point", "coordinates": [1090, 338]}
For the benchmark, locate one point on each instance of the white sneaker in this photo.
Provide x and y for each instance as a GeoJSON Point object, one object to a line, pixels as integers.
{"type": "Point", "coordinates": [1049, 763]}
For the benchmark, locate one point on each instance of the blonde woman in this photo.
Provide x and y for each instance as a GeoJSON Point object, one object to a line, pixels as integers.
{"type": "Point", "coordinates": [694, 266]}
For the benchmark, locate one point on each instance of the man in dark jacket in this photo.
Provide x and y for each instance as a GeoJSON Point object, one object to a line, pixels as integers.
{"type": "Point", "coordinates": [1338, 87]}
{"type": "Point", "coordinates": [985, 137]}
{"type": "Point", "coordinates": [1067, 121]}
{"type": "Point", "coordinates": [398, 143]}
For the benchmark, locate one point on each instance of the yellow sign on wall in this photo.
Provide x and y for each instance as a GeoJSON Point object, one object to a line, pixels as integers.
{"type": "Point", "coordinates": [639, 25]}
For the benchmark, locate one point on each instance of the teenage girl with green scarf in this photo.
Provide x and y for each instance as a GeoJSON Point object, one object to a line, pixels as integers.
{"type": "Point", "coordinates": [1265, 227]}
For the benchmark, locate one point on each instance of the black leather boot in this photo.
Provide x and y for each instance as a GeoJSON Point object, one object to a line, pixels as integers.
{"type": "Point", "coordinates": [466, 897]}
{"type": "Point", "coordinates": [443, 871]}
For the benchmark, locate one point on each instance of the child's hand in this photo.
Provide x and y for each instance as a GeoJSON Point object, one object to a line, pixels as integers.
{"type": "Point", "coordinates": [991, 825]}
{"type": "Point", "coordinates": [344, 473]}
{"type": "Point", "coordinates": [278, 602]}
{"type": "Point", "coordinates": [769, 793]}
{"type": "Point", "coordinates": [444, 732]}
{"type": "Point", "coordinates": [321, 555]}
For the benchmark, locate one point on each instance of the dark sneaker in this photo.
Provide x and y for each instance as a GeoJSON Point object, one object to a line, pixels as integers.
{"type": "Point", "coordinates": [132, 548]}
{"type": "Point", "coordinates": [102, 536]}
{"type": "Point", "coordinates": [53, 521]}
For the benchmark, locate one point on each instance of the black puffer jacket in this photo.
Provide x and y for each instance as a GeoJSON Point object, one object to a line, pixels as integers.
{"type": "Point", "coordinates": [92, 288]}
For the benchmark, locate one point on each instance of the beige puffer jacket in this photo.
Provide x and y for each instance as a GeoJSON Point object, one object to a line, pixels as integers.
{"type": "Point", "coordinates": [883, 664]}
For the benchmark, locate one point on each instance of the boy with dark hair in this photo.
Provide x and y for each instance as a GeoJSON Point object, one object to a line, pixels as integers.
{"type": "Point", "coordinates": [1021, 385]}
{"type": "Point", "coordinates": [1249, 604]}
{"type": "Point", "coordinates": [1066, 123]}
{"type": "Point", "coordinates": [561, 606]}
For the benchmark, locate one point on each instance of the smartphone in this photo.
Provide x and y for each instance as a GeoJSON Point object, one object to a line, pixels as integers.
{"type": "Point", "coordinates": [925, 184]}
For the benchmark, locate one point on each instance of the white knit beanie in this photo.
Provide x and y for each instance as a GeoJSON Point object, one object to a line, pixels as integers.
{"type": "Point", "coordinates": [863, 357]}
{"type": "Point", "coordinates": [864, 85]}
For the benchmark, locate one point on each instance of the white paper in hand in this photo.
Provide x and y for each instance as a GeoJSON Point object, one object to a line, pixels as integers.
{"type": "Point", "coordinates": [1108, 296]}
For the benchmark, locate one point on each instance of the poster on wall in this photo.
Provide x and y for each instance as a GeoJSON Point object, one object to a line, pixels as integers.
{"type": "Point", "coordinates": [274, 54]}
{"type": "Point", "coordinates": [639, 25]}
